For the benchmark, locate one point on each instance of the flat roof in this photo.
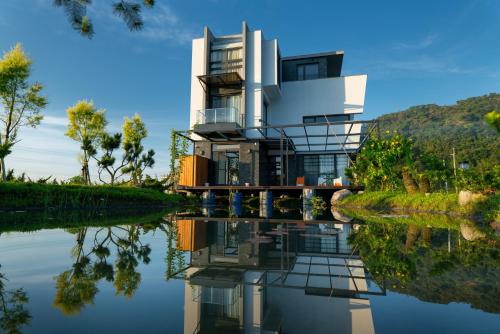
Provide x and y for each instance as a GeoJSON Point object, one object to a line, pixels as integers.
{"type": "Point", "coordinates": [312, 55]}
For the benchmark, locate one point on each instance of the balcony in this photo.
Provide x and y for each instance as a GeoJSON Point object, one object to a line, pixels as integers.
{"type": "Point", "coordinates": [219, 123]}
{"type": "Point", "coordinates": [219, 115]}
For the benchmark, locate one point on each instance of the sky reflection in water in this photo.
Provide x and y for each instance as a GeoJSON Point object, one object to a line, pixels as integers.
{"type": "Point", "coordinates": [289, 269]}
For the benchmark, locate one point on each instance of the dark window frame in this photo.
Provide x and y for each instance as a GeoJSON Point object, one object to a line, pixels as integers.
{"type": "Point", "coordinates": [321, 118]}
{"type": "Point", "coordinates": [301, 71]}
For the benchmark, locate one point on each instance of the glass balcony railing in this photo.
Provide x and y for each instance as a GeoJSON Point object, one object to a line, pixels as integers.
{"type": "Point", "coordinates": [219, 115]}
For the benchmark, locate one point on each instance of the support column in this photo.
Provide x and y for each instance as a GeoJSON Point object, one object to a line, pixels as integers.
{"type": "Point", "coordinates": [282, 165]}
{"type": "Point", "coordinates": [265, 204]}
{"type": "Point", "coordinates": [307, 194]}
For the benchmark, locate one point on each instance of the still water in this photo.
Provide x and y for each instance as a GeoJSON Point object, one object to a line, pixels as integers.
{"type": "Point", "coordinates": [249, 271]}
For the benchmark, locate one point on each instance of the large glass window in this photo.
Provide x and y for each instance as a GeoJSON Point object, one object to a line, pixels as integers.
{"type": "Point", "coordinates": [308, 71]}
{"type": "Point", "coordinates": [225, 60]}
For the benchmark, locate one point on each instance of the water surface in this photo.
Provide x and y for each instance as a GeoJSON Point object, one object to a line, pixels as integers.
{"type": "Point", "coordinates": [250, 271]}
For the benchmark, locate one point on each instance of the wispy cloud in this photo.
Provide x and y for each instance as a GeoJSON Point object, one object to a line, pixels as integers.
{"type": "Point", "coordinates": [162, 24]}
{"type": "Point", "coordinates": [426, 42]}
{"type": "Point", "coordinates": [423, 64]}
{"type": "Point", "coordinates": [55, 120]}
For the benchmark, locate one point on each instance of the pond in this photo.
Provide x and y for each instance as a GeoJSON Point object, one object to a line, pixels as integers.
{"type": "Point", "coordinates": [243, 270]}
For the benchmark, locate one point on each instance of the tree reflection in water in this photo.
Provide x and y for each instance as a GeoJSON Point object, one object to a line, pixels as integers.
{"type": "Point", "coordinates": [13, 312]}
{"type": "Point", "coordinates": [77, 286]}
{"type": "Point", "coordinates": [438, 265]}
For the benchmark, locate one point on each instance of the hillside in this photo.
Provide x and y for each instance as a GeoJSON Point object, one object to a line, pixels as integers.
{"type": "Point", "coordinates": [437, 129]}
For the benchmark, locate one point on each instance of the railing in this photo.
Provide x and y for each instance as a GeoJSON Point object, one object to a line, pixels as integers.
{"type": "Point", "coordinates": [219, 115]}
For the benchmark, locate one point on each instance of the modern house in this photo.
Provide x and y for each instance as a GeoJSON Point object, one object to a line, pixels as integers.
{"type": "Point", "coordinates": [260, 119]}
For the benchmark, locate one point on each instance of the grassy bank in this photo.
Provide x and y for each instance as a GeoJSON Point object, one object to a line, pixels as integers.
{"type": "Point", "coordinates": [487, 210]}
{"type": "Point", "coordinates": [64, 197]}
{"type": "Point", "coordinates": [36, 220]}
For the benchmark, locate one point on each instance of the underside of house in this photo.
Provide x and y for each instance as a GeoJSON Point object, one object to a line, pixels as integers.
{"type": "Point", "coordinates": [258, 119]}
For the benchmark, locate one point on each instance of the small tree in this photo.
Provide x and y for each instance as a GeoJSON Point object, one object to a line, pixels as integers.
{"type": "Point", "coordinates": [134, 131]}
{"type": "Point", "coordinates": [86, 126]}
{"type": "Point", "coordinates": [107, 161]}
{"type": "Point", "coordinates": [21, 100]}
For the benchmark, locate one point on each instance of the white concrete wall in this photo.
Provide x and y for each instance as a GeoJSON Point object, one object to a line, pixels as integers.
{"type": "Point", "coordinates": [253, 82]}
{"type": "Point", "coordinates": [269, 60]}
{"type": "Point", "coordinates": [343, 95]}
{"type": "Point", "coordinates": [198, 67]}
{"type": "Point", "coordinates": [253, 308]}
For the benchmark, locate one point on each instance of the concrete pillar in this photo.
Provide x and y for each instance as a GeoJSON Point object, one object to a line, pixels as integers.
{"type": "Point", "coordinates": [236, 203]}
{"type": "Point", "coordinates": [208, 198]}
{"type": "Point", "coordinates": [265, 204]}
{"type": "Point", "coordinates": [307, 194]}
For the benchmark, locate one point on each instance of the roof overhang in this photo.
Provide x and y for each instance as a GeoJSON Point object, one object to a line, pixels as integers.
{"type": "Point", "coordinates": [221, 79]}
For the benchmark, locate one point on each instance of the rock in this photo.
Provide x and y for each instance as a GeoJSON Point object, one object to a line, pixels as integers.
{"type": "Point", "coordinates": [361, 192]}
{"type": "Point", "coordinates": [464, 197]}
{"type": "Point", "coordinates": [340, 195]}
{"type": "Point", "coordinates": [337, 215]}
{"type": "Point", "coordinates": [470, 233]}
{"type": "Point", "coordinates": [478, 197]}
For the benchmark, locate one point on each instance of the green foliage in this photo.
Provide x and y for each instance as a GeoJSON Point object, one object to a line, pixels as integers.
{"type": "Point", "coordinates": [419, 260]}
{"type": "Point", "coordinates": [479, 178]}
{"type": "Point", "coordinates": [493, 119]}
{"type": "Point", "coordinates": [435, 130]}
{"type": "Point", "coordinates": [86, 126]}
{"type": "Point", "coordinates": [178, 148]}
{"type": "Point", "coordinates": [110, 143]}
{"type": "Point", "coordinates": [485, 210]}
{"type": "Point", "coordinates": [129, 12]}
{"type": "Point", "coordinates": [28, 195]}
{"type": "Point", "coordinates": [318, 205]}
{"type": "Point", "coordinates": [22, 101]}
{"type": "Point", "coordinates": [12, 308]}
{"type": "Point", "coordinates": [379, 164]}
{"type": "Point", "coordinates": [134, 131]}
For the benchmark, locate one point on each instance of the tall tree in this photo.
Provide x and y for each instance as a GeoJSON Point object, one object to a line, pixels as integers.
{"type": "Point", "coordinates": [22, 101]}
{"type": "Point", "coordinates": [128, 11]}
{"type": "Point", "coordinates": [134, 131]}
{"type": "Point", "coordinates": [86, 126]}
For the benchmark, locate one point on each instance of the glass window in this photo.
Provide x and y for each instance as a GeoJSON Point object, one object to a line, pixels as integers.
{"type": "Point", "coordinates": [325, 118]}
{"type": "Point", "coordinates": [307, 71]}
{"type": "Point", "coordinates": [311, 71]}
{"type": "Point", "coordinates": [337, 118]}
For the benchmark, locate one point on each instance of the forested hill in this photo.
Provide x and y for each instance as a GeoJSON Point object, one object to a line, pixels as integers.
{"type": "Point", "coordinates": [437, 129]}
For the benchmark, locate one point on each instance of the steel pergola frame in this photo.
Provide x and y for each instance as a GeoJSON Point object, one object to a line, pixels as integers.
{"type": "Point", "coordinates": [284, 137]}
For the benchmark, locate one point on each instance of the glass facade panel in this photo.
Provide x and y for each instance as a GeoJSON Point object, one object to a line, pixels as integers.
{"type": "Point", "coordinates": [308, 71]}
{"type": "Point", "coordinates": [322, 169]}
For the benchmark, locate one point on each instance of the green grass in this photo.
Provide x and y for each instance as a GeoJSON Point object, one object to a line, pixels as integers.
{"type": "Point", "coordinates": [63, 197]}
{"type": "Point", "coordinates": [432, 203]}
{"type": "Point", "coordinates": [37, 220]}
{"type": "Point", "coordinates": [419, 219]}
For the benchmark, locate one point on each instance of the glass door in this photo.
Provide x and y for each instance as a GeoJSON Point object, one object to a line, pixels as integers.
{"type": "Point", "coordinates": [228, 167]}
{"type": "Point", "coordinates": [232, 168]}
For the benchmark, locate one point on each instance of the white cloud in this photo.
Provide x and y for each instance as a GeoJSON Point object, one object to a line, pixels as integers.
{"type": "Point", "coordinates": [55, 120]}
{"type": "Point", "coordinates": [162, 24]}
{"type": "Point", "coordinates": [426, 42]}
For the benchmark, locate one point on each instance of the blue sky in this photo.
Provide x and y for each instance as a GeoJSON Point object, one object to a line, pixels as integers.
{"type": "Point", "coordinates": [415, 52]}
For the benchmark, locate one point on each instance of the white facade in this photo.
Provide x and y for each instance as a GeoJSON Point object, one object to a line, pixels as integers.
{"type": "Point", "coordinates": [287, 101]}
{"type": "Point", "coordinates": [243, 91]}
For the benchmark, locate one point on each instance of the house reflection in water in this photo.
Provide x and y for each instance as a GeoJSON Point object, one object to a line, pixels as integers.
{"type": "Point", "coordinates": [272, 277]}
